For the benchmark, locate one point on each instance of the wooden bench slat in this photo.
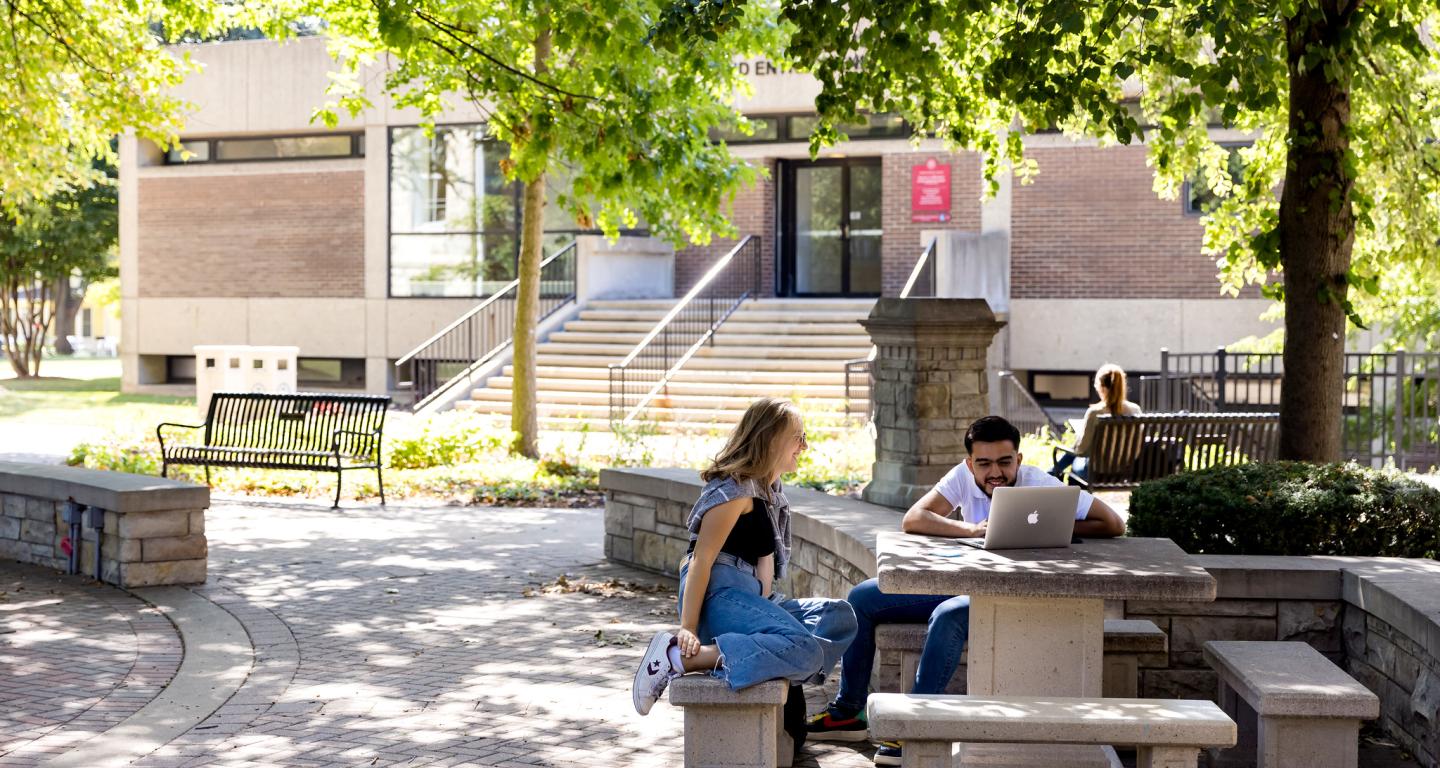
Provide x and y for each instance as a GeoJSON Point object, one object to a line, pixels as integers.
{"type": "Point", "coordinates": [1290, 679]}
{"type": "Point", "coordinates": [1048, 720]}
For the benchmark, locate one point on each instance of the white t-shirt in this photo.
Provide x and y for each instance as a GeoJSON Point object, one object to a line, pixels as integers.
{"type": "Point", "coordinates": [959, 488]}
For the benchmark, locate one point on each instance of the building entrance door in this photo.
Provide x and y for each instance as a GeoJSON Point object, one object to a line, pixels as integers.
{"type": "Point", "coordinates": [830, 227]}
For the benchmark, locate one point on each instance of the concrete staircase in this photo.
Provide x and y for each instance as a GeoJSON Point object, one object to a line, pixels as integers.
{"type": "Point", "coordinates": [785, 347]}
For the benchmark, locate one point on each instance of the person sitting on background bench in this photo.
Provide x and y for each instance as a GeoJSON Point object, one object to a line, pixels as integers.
{"type": "Point", "coordinates": [1110, 385]}
{"type": "Point", "coordinates": [993, 445]}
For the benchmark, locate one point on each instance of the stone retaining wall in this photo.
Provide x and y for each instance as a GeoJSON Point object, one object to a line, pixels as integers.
{"type": "Point", "coordinates": [154, 530]}
{"type": "Point", "coordinates": [1379, 618]}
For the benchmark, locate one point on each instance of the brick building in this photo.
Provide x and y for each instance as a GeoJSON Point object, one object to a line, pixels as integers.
{"type": "Point", "coordinates": [358, 243]}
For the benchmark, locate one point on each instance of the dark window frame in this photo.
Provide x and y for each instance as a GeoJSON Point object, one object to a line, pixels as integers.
{"type": "Point", "coordinates": [357, 149]}
{"type": "Point", "coordinates": [1187, 189]}
{"type": "Point", "coordinates": [785, 132]}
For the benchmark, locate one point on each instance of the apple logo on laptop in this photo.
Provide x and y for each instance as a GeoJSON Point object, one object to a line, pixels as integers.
{"type": "Point", "coordinates": [1033, 517]}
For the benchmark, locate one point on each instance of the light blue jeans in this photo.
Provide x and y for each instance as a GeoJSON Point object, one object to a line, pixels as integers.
{"type": "Point", "coordinates": [759, 639]}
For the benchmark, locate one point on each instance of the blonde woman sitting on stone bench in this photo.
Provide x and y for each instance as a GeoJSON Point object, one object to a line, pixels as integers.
{"type": "Point", "coordinates": [732, 624]}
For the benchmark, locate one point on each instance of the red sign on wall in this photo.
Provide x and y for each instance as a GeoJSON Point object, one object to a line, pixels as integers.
{"type": "Point", "coordinates": [930, 191]}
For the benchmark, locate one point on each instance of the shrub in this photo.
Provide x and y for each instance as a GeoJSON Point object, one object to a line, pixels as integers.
{"type": "Point", "coordinates": [446, 440]}
{"type": "Point", "coordinates": [1291, 508]}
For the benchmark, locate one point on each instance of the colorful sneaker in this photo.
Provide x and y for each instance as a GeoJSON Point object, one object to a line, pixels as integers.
{"type": "Point", "coordinates": [654, 674]}
{"type": "Point", "coordinates": [837, 725]}
{"type": "Point", "coordinates": [888, 753]}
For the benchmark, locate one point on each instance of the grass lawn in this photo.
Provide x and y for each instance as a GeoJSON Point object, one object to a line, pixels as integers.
{"type": "Point", "coordinates": [85, 392]}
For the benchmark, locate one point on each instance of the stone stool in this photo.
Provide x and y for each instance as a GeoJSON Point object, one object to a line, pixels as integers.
{"type": "Point", "coordinates": [728, 729]}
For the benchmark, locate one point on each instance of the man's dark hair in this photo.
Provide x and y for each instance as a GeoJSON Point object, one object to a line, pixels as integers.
{"type": "Point", "coordinates": [991, 429]}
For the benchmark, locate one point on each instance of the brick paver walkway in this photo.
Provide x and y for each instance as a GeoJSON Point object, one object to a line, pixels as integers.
{"type": "Point", "coordinates": [75, 659]}
{"type": "Point", "coordinates": [405, 636]}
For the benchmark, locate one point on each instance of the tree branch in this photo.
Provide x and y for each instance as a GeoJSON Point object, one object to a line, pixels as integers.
{"type": "Point", "coordinates": [451, 31]}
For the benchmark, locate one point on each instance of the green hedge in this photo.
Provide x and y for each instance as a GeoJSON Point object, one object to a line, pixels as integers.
{"type": "Point", "coordinates": [1291, 508]}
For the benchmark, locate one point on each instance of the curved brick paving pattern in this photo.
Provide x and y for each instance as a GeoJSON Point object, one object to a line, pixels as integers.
{"type": "Point", "coordinates": [77, 658]}
{"type": "Point", "coordinates": [403, 636]}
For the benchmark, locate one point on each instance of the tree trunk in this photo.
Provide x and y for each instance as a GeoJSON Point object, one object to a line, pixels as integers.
{"type": "Point", "coordinates": [523, 420]}
{"type": "Point", "coordinates": [67, 306]}
{"type": "Point", "coordinates": [1317, 233]}
{"type": "Point", "coordinates": [11, 323]}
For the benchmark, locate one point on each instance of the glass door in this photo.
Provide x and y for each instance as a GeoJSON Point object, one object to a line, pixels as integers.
{"type": "Point", "coordinates": [831, 230]}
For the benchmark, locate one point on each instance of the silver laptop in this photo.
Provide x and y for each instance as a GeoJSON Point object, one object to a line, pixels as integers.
{"type": "Point", "coordinates": [1030, 518]}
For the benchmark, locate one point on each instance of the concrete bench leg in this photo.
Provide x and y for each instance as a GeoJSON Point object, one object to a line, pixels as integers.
{"type": "Point", "coordinates": [1247, 726]}
{"type": "Point", "coordinates": [1167, 757]}
{"type": "Point", "coordinates": [927, 754]}
{"type": "Point", "coordinates": [732, 736]}
{"type": "Point", "coordinates": [1121, 678]}
{"type": "Point", "coordinates": [1308, 742]}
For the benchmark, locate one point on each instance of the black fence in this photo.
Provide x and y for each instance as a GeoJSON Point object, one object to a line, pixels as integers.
{"type": "Point", "coordinates": [483, 332]}
{"type": "Point", "coordinates": [687, 327]}
{"type": "Point", "coordinates": [1391, 405]}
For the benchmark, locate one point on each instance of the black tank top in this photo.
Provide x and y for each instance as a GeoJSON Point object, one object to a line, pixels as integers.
{"type": "Point", "coordinates": [752, 537]}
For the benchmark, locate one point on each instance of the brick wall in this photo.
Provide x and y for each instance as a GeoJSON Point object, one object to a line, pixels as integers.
{"type": "Point", "coordinates": [260, 235]}
{"type": "Point", "coordinates": [902, 244]}
{"type": "Point", "coordinates": [1091, 226]}
{"type": "Point", "coordinates": [753, 213]}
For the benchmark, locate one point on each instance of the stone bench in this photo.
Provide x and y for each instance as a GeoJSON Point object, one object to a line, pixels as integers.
{"type": "Point", "coordinates": [1126, 640]}
{"type": "Point", "coordinates": [730, 729]}
{"type": "Point", "coordinates": [1295, 708]}
{"type": "Point", "coordinates": [1168, 733]}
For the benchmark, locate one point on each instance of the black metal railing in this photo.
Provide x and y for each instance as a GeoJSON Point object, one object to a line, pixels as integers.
{"type": "Point", "coordinates": [1020, 408]}
{"type": "Point", "coordinates": [689, 325]}
{"type": "Point", "coordinates": [477, 336]}
{"type": "Point", "coordinates": [919, 285]}
{"type": "Point", "coordinates": [1390, 406]}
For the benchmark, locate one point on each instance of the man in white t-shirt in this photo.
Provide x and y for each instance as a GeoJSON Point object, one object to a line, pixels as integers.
{"type": "Point", "coordinates": [993, 445]}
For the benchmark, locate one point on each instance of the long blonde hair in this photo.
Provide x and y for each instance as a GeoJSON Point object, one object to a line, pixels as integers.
{"type": "Point", "coordinates": [751, 452]}
{"type": "Point", "coordinates": [1110, 380]}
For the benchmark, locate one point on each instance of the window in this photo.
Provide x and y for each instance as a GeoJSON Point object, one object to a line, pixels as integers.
{"type": "Point", "coordinates": [455, 219]}
{"type": "Point", "coordinates": [87, 320]}
{"type": "Point", "coordinates": [1199, 198]}
{"type": "Point", "coordinates": [262, 148]}
{"type": "Point", "coordinates": [770, 128]}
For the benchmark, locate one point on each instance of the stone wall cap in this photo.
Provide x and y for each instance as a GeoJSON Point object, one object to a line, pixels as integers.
{"type": "Point", "coordinates": [114, 491]}
{"type": "Point", "coordinates": [930, 312]}
{"type": "Point", "coordinates": [1032, 720]}
{"type": "Point", "coordinates": [1288, 679]}
{"type": "Point", "coordinates": [1127, 568]}
{"type": "Point", "coordinates": [704, 690]}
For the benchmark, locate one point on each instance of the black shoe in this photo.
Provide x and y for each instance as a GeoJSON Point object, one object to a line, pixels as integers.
{"type": "Point", "coordinates": [835, 725]}
{"type": "Point", "coordinates": [888, 753]}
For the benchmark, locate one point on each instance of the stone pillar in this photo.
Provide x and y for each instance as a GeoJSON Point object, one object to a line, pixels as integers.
{"type": "Point", "coordinates": [929, 384]}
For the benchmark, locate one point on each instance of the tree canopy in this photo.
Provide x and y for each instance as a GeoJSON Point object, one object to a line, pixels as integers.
{"type": "Point", "coordinates": [1338, 196]}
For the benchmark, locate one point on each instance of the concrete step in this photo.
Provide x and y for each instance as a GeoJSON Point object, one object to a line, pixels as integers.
{"type": "Point", "coordinates": [738, 353]}
{"type": "Point", "coordinates": [733, 325]}
{"type": "Point", "coordinates": [723, 338]}
{"type": "Point", "coordinates": [744, 314]}
{"type": "Point", "coordinates": [552, 410]}
{"type": "Point", "coordinates": [739, 389]}
{"type": "Point", "coordinates": [575, 424]}
{"type": "Point", "coordinates": [833, 375]}
{"type": "Point", "coordinates": [671, 400]}
{"type": "Point", "coordinates": [705, 362]}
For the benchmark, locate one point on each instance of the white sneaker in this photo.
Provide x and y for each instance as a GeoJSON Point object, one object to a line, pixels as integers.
{"type": "Point", "coordinates": [654, 674]}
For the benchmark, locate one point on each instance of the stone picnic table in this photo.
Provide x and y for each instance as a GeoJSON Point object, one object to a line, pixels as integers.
{"type": "Point", "coordinates": [1037, 616]}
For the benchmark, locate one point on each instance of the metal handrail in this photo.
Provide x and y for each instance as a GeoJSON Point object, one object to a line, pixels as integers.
{"type": "Point", "coordinates": [1019, 406]}
{"type": "Point", "coordinates": [687, 318]}
{"type": "Point", "coordinates": [484, 331]}
{"type": "Point", "coordinates": [922, 278]}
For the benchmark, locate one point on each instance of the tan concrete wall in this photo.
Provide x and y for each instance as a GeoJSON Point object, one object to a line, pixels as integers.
{"type": "Point", "coordinates": [1082, 334]}
{"type": "Point", "coordinates": [321, 327]}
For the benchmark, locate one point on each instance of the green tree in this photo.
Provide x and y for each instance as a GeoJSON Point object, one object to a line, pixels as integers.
{"type": "Point", "coordinates": [572, 86]}
{"type": "Point", "coordinates": [75, 75]}
{"type": "Point", "coordinates": [44, 245]}
{"type": "Point", "coordinates": [1338, 197]}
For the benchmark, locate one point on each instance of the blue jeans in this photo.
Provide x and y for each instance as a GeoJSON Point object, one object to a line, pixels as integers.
{"type": "Point", "coordinates": [1077, 465]}
{"type": "Point", "coordinates": [949, 625]}
{"type": "Point", "coordinates": [760, 639]}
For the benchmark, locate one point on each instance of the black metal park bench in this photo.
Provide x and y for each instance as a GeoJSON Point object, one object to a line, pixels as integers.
{"type": "Point", "coordinates": [1128, 450]}
{"type": "Point", "coordinates": [316, 432]}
